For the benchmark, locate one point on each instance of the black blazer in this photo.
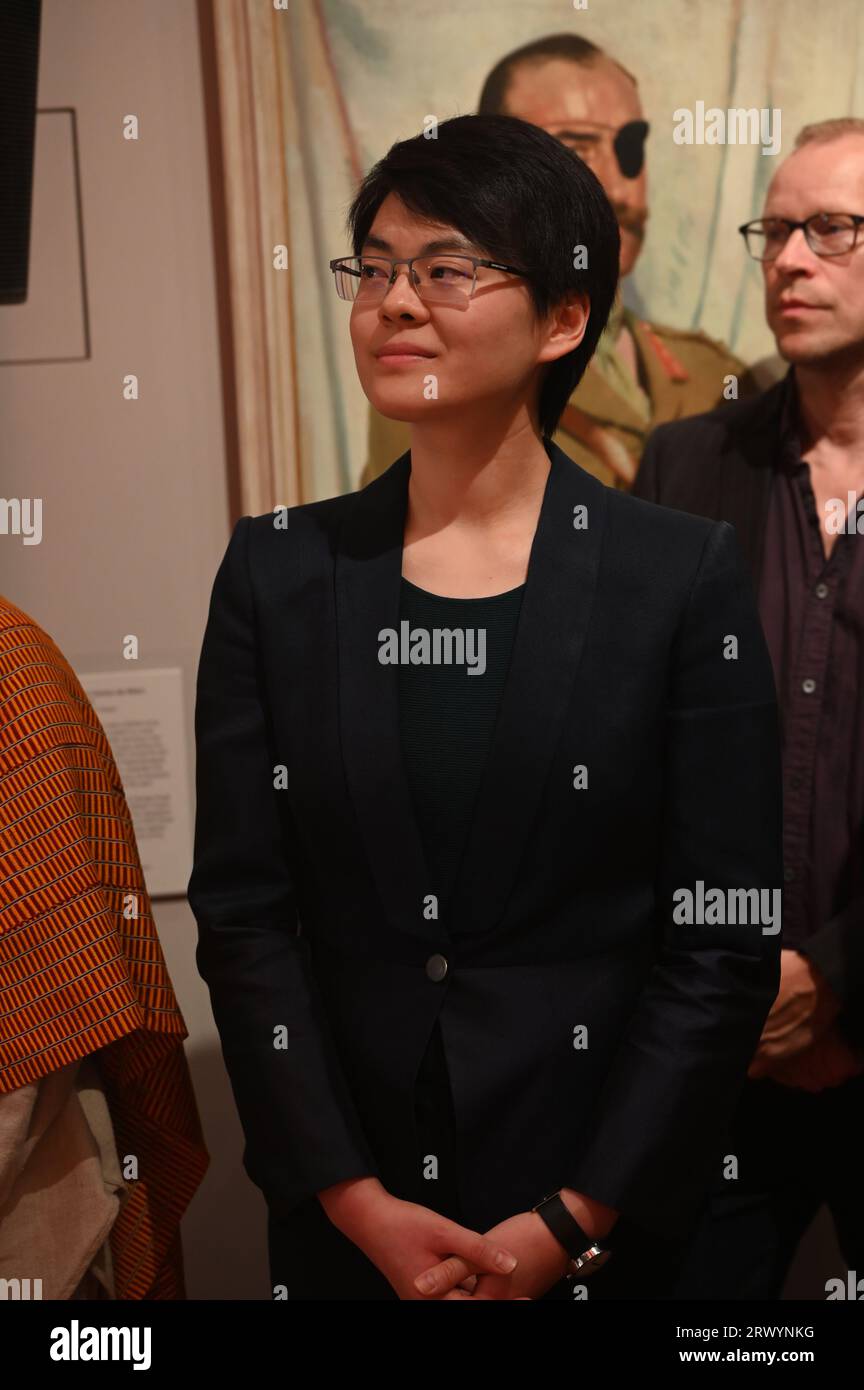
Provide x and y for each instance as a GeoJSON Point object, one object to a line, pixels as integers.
{"type": "Point", "coordinates": [310, 886]}
{"type": "Point", "coordinates": [721, 465]}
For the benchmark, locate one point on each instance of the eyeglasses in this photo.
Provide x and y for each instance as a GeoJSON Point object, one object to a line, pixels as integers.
{"type": "Point", "coordinates": [627, 142]}
{"type": "Point", "coordinates": [436, 279]}
{"type": "Point", "coordinates": [826, 233]}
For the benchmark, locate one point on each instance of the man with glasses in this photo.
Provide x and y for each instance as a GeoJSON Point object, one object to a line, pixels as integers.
{"type": "Point", "coordinates": [642, 373]}
{"type": "Point", "coordinates": [786, 468]}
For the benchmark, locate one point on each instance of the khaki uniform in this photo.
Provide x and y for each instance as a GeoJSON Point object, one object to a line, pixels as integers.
{"type": "Point", "coordinates": [602, 428]}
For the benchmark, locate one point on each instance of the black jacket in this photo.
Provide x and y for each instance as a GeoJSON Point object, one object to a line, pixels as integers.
{"type": "Point", "coordinates": [721, 465]}
{"type": "Point", "coordinates": [310, 888]}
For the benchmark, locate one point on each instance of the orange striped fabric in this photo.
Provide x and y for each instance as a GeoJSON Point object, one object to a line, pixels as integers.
{"type": "Point", "coordinates": [81, 967]}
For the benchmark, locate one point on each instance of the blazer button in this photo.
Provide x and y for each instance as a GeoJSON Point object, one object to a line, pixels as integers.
{"type": "Point", "coordinates": [436, 968]}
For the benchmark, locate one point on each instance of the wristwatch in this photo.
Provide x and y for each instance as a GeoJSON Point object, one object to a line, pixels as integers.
{"type": "Point", "coordinates": [586, 1253]}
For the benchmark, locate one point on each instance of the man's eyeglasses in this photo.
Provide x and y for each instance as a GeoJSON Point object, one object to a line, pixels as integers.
{"type": "Point", "coordinates": [627, 141]}
{"type": "Point", "coordinates": [826, 233]}
{"type": "Point", "coordinates": [441, 279]}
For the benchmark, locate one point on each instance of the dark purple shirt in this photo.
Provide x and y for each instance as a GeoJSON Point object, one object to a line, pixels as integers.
{"type": "Point", "coordinates": [812, 610]}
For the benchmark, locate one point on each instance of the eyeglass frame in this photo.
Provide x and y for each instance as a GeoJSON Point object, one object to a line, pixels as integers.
{"type": "Point", "coordinates": [856, 218]}
{"type": "Point", "coordinates": [429, 256]}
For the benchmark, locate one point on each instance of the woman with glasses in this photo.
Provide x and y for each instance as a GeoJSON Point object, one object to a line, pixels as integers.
{"type": "Point", "coordinates": [464, 737]}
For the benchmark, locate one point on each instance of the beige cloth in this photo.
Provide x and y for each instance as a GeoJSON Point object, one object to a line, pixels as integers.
{"type": "Point", "coordinates": [61, 1184]}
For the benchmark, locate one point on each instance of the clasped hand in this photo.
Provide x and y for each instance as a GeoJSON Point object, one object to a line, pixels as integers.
{"type": "Point", "coordinates": [801, 1045]}
{"type": "Point", "coordinates": [425, 1255]}
{"type": "Point", "coordinates": [517, 1259]}
{"type": "Point", "coordinates": [541, 1262]}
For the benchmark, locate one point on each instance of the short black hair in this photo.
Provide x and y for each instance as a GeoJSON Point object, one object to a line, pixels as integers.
{"type": "Point", "coordinates": [525, 199]}
{"type": "Point", "coordinates": [571, 47]}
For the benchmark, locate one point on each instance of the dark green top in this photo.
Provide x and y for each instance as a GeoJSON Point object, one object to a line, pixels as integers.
{"type": "Point", "coordinates": [447, 717]}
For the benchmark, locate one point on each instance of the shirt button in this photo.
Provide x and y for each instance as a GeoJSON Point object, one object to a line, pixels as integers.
{"type": "Point", "coordinates": [821, 590]}
{"type": "Point", "coordinates": [808, 686]}
{"type": "Point", "coordinates": [436, 968]}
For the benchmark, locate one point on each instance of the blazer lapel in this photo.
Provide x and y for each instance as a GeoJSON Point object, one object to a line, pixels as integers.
{"type": "Point", "coordinates": [550, 636]}
{"type": "Point", "coordinates": [368, 581]}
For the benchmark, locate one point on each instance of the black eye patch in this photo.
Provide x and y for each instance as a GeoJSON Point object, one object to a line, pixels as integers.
{"type": "Point", "coordinates": [629, 146]}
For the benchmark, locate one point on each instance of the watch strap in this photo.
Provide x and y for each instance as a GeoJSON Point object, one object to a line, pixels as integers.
{"type": "Point", "coordinates": [564, 1226]}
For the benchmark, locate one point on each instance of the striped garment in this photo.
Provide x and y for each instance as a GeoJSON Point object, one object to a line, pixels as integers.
{"type": "Point", "coordinates": [80, 972]}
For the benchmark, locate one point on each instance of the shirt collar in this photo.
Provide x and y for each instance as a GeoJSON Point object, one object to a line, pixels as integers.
{"type": "Point", "coordinates": [616, 319]}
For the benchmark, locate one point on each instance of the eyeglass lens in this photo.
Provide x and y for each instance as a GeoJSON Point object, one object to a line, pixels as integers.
{"type": "Point", "coordinates": [437, 279]}
{"type": "Point", "coordinates": [826, 234]}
